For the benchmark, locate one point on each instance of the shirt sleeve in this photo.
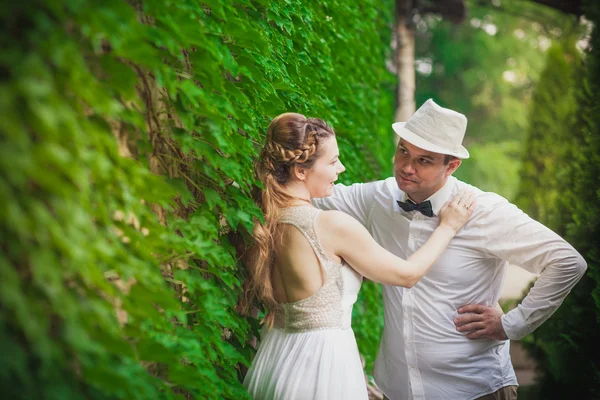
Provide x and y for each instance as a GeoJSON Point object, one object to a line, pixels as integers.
{"type": "Point", "coordinates": [512, 235]}
{"type": "Point", "coordinates": [355, 200]}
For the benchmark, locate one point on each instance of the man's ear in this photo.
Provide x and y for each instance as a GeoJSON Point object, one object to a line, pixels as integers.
{"type": "Point", "coordinates": [299, 172]}
{"type": "Point", "coordinates": [453, 166]}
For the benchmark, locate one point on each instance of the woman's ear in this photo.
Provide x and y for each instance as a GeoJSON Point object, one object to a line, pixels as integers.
{"type": "Point", "coordinates": [299, 172]}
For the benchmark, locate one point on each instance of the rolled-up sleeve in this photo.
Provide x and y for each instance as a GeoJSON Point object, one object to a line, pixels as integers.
{"type": "Point", "coordinates": [355, 200]}
{"type": "Point", "coordinates": [512, 235]}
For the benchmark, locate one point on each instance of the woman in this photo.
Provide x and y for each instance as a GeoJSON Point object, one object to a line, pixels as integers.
{"type": "Point", "coordinates": [306, 267]}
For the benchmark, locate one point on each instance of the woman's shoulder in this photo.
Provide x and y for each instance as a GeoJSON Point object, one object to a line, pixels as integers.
{"type": "Point", "coordinates": [337, 220]}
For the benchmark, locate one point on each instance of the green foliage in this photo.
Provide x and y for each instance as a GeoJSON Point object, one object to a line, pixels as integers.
{"type": "Point", "coordinates": [367, 322]}
{"type": "Point", "coordinates": [551, 118]}
{"type": "Point", "coordinates": [492, 167]}
{"type": "Point", "coordinates": [128, 136]}
{"type": "Point", "coordinates": [486, 68]}
{"type": "Point", "coordinates": [565, 346]}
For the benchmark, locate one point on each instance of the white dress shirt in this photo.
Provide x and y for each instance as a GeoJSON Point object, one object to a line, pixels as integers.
{"type": "Point", "coordinates": [422, 355]}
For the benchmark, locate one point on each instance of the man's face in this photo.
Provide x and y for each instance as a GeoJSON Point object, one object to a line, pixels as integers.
{"type": "Point", "coordinates": [421, 173]}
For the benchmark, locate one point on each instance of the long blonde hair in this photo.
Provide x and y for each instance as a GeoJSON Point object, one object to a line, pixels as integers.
{"type": "Point", "coordinates": [292, 139]}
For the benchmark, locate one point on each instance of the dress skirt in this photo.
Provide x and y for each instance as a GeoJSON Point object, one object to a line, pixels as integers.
{"type": "Point", "coordinates": [312, 365]}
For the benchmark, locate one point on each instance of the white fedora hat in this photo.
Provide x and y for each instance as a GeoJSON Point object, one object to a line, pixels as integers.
{"type": "Point", "coordinates": [436, 129]}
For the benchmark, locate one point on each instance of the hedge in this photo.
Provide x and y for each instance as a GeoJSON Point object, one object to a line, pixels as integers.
{"type": "Point", "coordinates": [565, 347]}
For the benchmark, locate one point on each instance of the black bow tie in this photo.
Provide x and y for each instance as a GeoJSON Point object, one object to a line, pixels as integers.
{"type": "Point", "coordinates": [424, 207]}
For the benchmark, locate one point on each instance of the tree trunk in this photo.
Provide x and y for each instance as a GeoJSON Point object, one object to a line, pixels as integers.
{"type": "Point", "coordinates": [405, 61]}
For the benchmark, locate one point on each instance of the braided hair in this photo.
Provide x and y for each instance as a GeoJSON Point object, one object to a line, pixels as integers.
{"type": "Point", "coordinates": [292, 139]}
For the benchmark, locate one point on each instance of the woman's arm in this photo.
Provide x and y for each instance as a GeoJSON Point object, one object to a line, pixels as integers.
{"type": "Point", "coordinates": [355, 200]}
{"type": "Point", "coordinates": [352, 242]}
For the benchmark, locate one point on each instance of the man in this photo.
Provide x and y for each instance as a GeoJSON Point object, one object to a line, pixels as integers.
{"type": "Point", "coordinates": [446, 338]}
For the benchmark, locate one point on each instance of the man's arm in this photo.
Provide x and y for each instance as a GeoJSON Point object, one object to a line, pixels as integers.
{"type": "Point", "coordinates": [355, 200]}
{"type": "Point", "coordinates": [513, 236]}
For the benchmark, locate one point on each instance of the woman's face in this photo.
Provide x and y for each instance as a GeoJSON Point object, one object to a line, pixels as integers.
{"type": "Point", "coordinates": [324, 172]}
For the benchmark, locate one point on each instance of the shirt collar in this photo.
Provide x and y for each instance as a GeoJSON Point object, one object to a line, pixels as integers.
{"type": "Point", "coordinates": [439, 198]}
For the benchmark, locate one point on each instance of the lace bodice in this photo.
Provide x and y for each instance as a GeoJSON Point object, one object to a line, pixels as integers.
{"type": "Point", "coordinates": [327, 308]}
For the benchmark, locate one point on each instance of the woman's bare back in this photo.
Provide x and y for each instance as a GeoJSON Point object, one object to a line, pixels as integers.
{"type": "Point", "coordinates": [297, 273]}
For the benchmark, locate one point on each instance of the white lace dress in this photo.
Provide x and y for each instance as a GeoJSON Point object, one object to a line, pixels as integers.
{"type": "Point", "coordinates": [311, 352]}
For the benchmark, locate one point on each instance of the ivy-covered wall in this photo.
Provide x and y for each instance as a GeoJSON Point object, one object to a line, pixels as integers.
{"type": "Point", "coordinates": [128, 133]}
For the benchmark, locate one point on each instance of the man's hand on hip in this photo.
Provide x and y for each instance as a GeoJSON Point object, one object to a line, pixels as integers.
{"type": "Point", "coordinates": [480, 322]}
